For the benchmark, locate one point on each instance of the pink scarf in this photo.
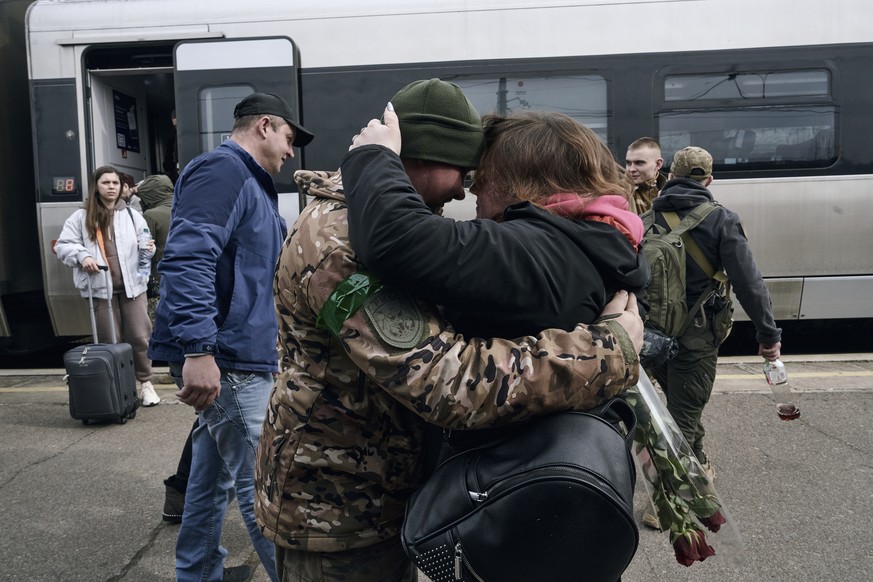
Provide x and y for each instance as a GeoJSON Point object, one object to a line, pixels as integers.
{"type": "Point", "coordinates": [610, 209]}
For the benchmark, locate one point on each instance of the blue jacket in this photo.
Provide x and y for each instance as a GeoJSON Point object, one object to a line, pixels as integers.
{"type": "Point", "coordinates": [218, 266]}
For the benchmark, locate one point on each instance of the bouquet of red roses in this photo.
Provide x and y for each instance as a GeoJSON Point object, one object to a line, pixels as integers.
{"type": "Point", "coordinates": [682, 494]}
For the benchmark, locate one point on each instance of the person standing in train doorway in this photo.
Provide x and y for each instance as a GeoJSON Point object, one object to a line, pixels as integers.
{"type": "Point", "coordinates": [687, 378]}
{"type": "Point", "coordinates": [128, 192]}
{"type": "Point", "coordinates": [643, 163]}
{"type": "Point", "coordinates": [216, 323]}
{"type": "Point", "coordinates": [171, 152]}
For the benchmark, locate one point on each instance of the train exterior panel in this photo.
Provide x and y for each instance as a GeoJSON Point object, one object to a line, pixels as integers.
{"type": "Point", "coordinates": [778, 93]}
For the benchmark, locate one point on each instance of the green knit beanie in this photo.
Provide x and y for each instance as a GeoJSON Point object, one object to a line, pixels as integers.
{"type": "Point", "coordinates": [438, 124]}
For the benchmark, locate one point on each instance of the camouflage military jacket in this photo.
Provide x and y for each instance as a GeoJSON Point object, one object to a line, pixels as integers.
{"type": "Point", "coordinates": [646, 192]}
{"type": "Point", "coordinates": [340, 451]}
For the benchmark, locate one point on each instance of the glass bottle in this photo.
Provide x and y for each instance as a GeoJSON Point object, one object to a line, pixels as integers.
{"type": "Point", "coordinates": [777, 378]}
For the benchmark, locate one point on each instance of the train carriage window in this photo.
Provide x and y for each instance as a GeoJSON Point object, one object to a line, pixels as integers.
{"type": "Point", "coordinates": [754, 120]}
{"type": "Point", "coordinates": [216, 113]}
{"type": "Point", "coordinates": [747, 85]}
{"type": "Point", "coordinates": [582, 97]}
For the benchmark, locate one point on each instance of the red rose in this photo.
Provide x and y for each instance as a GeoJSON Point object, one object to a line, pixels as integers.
{"type": "Point", "coordinates": [691, 546]}
{"type": "Point", "coordinates": [714, 522]}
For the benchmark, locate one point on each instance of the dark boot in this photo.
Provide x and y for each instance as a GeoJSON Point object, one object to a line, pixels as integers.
{"type": "Point", "coordinates": [174, 504]}
{"type": "Point", "coordinates": [242, 573]}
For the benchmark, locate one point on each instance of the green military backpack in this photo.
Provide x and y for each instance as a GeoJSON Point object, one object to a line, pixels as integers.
{"type": "Point", "coordinates": [666, 250]}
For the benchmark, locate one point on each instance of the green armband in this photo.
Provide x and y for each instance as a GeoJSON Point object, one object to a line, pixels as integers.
{"type": "Point", "coordinates": [346, 299]}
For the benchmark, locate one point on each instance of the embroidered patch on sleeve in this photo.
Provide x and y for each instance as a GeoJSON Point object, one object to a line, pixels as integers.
{"type": "Point", "coordinates": [396, 318]}
{"type": "Point", "coordinates": [346, 299]}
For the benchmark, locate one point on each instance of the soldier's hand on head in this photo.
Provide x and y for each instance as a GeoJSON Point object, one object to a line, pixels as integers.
{"type": "Point", "coordinates": [624, 309]}
{"type": "Point", "coordinates": [385, 134]}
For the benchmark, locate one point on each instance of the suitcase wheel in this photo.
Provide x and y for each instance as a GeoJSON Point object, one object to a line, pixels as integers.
{"type": "Point", "coordinates": [85, 421]}
{"type": "Point", "coordinates": [122, 420]}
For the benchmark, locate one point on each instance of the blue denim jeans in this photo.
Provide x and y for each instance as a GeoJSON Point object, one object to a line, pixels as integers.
{"type": "Point", "coordinates": [223, 465]}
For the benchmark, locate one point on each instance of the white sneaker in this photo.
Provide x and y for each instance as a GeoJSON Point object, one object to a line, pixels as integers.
{"type": "Point", "coordinates": [149, 396]}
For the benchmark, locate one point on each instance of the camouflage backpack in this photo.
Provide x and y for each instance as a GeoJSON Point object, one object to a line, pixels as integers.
{"type": "Point", "coordinates": [666, 251]}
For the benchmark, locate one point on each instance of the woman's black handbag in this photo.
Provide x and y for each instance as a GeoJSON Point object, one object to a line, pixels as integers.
{"type": "Point", "coordinates": [553, 502]}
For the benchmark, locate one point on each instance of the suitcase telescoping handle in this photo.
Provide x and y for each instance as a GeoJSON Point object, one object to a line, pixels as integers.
{"type": "Point", "coordinates": [105, 270]}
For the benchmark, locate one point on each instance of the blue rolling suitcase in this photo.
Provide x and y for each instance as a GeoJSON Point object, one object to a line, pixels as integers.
{"type": "Point", "coordinates": [100, 377]}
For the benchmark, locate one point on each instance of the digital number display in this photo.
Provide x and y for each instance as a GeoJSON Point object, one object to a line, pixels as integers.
{"type": "Point", "coordinates": [64, 185]}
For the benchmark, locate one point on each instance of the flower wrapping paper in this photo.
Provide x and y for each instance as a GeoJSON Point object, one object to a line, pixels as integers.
{"type": "Point", "coordinates": [686, 503]}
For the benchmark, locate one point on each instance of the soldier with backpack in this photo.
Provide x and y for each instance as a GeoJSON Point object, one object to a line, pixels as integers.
{"type": "Point", "coordinates": [715, 256]}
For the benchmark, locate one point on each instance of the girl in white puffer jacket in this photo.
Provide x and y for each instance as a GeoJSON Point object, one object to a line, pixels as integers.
{"type": "Point", "coordinates": [105, 233]}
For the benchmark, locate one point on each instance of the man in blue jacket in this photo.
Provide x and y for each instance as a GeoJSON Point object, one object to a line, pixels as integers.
{"type": "Point", "coordinates": [216, 323]}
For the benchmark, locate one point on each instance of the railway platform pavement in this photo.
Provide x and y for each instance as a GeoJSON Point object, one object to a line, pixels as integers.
{"type": "Point", "coordinates": [733, 374]}
{"type": "Point", "coordinates": [83, 503]}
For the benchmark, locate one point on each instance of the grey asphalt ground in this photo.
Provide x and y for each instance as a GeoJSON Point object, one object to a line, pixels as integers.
{"type": "Point", "coordinates": [83, 503]}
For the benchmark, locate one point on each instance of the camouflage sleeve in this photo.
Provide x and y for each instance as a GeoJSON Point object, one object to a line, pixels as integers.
{"type": "Point", "coordinates": [409, 350]}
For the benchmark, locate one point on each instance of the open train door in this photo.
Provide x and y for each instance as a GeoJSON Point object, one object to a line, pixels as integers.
{"type": "Point", "coordinates": [212, 76]}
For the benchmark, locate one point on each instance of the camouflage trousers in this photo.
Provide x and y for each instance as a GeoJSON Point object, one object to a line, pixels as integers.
{"type": "Point", "coordinates": [153, 305]}
{"type": "Point", "coordinates": [687, 381]}
{"type": "Point", "coordinates": [382, 562]}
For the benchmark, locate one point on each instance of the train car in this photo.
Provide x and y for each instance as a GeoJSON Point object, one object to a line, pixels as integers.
{"type": "Point", "coordinates": [778, 93]}
{"type": "Point", "coordinates": [24, 317]}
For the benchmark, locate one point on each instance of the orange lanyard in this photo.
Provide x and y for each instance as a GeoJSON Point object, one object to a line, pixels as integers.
{"type": "Point", "coordinates": [102, 246]}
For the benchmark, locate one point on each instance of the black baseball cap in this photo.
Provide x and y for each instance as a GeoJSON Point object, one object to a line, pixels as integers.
{"type": "Point", "coordinates": [271, 104]}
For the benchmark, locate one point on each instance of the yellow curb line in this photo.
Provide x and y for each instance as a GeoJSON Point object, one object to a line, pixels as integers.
{"type": "Point", "coordinates": [791, 375]}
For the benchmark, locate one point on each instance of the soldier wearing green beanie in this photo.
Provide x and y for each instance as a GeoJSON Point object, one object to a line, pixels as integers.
{"type": "Point", "coordinates": [438, 124]}
{"type": "Point", "coordinates": [442, 139]}
{"type": "Point", "coordinates": [364, 370]}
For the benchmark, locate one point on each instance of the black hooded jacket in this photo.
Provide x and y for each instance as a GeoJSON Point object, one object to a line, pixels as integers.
{"type": "Point", "coordinates": [721, 238]}
{"type": "Point", "coordinates": [533, 271]}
